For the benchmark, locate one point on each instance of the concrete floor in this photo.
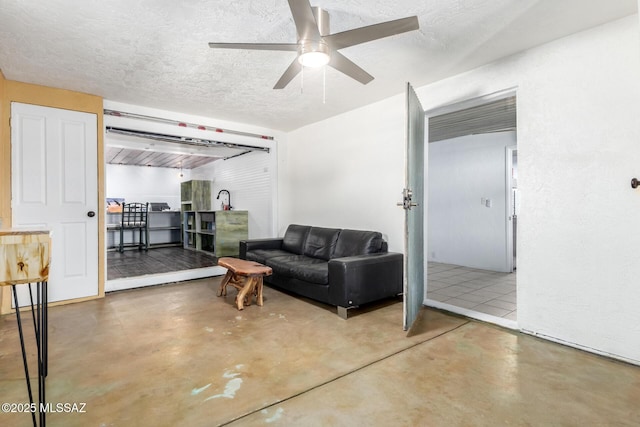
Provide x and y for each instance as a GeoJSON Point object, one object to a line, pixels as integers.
{"type": "Point", "coordinates": [178, 355]}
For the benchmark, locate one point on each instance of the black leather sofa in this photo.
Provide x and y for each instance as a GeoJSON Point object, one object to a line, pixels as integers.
{"type": "Point", "coordinates": [344, 268]}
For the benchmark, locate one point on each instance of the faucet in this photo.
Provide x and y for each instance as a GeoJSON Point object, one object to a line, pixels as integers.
{"type": "Point", "coordinates": [228, 198]}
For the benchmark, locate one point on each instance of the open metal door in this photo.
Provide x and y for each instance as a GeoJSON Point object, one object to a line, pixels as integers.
{"type": "Point", "coordinates": [414, 205]}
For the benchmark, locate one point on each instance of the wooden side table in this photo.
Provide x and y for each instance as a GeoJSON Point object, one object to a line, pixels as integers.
{"type": "Point", "coordinates": [246, 277]}
{"type": "Point", "coordinates": [24, 259]}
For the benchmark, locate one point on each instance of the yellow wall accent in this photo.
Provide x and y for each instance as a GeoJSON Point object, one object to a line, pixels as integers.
{"type": "Point", "coordinates": [12, 91]}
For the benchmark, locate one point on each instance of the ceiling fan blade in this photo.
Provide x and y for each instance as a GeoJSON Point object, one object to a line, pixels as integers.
{"type": "Point", "coordinates": [348, 67]}
{"type": "Point", "coordinates": [371, 32]}
{"type": "Point", "coordinates": [289, 74]}
{"type": "Point", "coordinates": [255, 46]}
{"type": "Point", "coordinates": [306, 25]}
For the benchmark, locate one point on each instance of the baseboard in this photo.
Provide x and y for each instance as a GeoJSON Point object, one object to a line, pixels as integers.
{"type": "Point", "coordinates": [161, 278]}
{"type": "Point", "coordinates": [581, 347]}
{"type": "Point", "coordinates": [500, 321]}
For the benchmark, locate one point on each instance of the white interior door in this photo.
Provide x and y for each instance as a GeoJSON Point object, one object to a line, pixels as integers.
{"type": "Point", "coordinates": [54, 185]}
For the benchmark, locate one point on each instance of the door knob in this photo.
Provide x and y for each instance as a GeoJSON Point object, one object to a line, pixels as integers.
{"type": "Point", "coordinates": [406, 202]}
{"type": "Point", "coordinates": [91, 214]}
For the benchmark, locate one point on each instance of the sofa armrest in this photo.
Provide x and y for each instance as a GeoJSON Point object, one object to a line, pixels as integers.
{"type": "Point", "coordinates": [251, 245]}
{"type": "Point", "coordinates": [361, 279]}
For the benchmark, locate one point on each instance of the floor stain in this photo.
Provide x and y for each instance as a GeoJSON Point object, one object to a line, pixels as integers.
{"type": "Point", "coordinates": [275, 417]}
{"type": "Point", "coordinates": [197, 391]}
{"type": "Point", "coordinates": [233, 385]}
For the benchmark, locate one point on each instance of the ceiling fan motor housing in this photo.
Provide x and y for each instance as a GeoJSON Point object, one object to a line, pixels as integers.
{"type": "Point", "coordinates": [314, 52]}
{"type": "Point", "coordinates": [322, 19]}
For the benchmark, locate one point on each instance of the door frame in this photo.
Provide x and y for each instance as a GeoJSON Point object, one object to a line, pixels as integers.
{"type": "Point", "coordinates": [27, 93]}
{"type": "Point", "coordinates": [509, 151]}
{"type": "Point", "coordinates": [449, 108]}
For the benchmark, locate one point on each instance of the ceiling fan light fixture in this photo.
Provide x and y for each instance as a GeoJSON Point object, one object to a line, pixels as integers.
{"type": "Point", "coordinates": [313, 54]}
{"type": "Point", "coordinates": [316, 46]}
{"type": "Point", "coordinates": [313, 59]}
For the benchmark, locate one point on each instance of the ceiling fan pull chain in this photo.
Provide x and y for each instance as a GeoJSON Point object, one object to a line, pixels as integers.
{"type": "Point", "coordinates": [302, 79]}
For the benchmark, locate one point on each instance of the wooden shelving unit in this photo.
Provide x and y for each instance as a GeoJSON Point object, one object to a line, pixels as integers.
{"type": "Point", "coordinates": [203, 229]}
{"type": "Point", "coordinates": [195, 195]}
{"type": "Point", "coordinates": [216, 232]}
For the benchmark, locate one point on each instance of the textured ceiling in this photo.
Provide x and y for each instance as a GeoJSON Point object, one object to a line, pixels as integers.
{"type": "Point", "coordinates": [154, 52]}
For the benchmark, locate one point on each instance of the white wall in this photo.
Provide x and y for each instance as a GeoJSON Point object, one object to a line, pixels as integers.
{"type": "Point", "coordinates": [463, 172]}
{"type": "Point", "coordinates": [578, 133]}
{"type": "Point", "coordinates": [347, 172]}
{"type": "Point", "coordinates": [578, 268]}
{"type": "Point", "coordinates": [145, 184]}
{"type": "Point", "coordinates": [250, 180]}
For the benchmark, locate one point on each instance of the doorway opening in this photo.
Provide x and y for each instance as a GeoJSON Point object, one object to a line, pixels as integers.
{"type": "Point", "coordinates": [472, 208]}
{"type": "Point", "coordinates": [179, 177]}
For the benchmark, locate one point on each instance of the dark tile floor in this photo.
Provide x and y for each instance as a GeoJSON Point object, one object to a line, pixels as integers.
{"type": "Point", "coordinates": [133, 263]}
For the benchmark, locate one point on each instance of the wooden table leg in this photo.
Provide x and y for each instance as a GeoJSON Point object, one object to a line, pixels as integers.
{"type": "Point", "coordinates": [251, 285]}
{"type": "Point", "coordinates": [223, 285]}
{"type": "Point", "coordinates": [259, 291]}
{"type": "Point", "coordinates": [240, 299]}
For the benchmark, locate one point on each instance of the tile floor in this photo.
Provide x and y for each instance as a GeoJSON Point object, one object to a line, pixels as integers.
{"type": "Point", "coordinates": [483, 291]}
{"type": "Point", "coordinates": [133, 263]}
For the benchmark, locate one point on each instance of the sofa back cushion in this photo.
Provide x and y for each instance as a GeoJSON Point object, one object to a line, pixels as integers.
{"type": "Point", "coordinates": [356, 242]}
{"type": "Point", "coordinates": [321, 242]}
{"type": "Point", "coordinates": [295, 238]}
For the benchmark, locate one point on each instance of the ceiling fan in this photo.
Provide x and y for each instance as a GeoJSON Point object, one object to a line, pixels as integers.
{"type": "Point", "coordinates": [316, 47]}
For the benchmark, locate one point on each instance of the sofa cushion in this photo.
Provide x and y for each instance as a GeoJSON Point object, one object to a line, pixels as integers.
{"type": "Point", "coordinates": [321, 242]}
{"type": "Point", "coordinates": [282, 264]}
{"type": "Point", "coordinates": [316, 272]}
{"type": "Point", "coordinates": [295, 238]}
{"type": "Point", "coordinates": [356, 242]}
{"type": "Point", "coordinates": [301, 267]}
{"type": "Point", "coordinates": [261, 255]}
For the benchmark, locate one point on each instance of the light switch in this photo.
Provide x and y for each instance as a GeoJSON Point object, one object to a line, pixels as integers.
{"type": "Point", "coordinates": [483, 201]}
{"type": "Point", "coordinates": [488, 203]}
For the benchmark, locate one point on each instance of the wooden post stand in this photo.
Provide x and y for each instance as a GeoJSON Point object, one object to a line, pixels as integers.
{"type": "Point", "coordinates": [246, 277]}
{"type": "Point", "coordinates": [24, 258]}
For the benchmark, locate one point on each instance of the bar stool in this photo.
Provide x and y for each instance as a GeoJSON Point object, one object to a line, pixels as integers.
{"type": "Point", "coordinates": [134, 217]}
